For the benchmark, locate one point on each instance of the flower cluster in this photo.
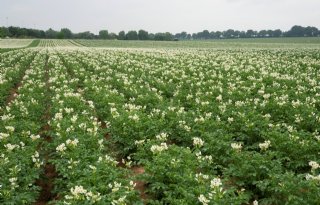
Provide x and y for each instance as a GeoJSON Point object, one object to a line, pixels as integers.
{"type": "Point", "coordinates": [159, 148]}
{"type": "Point", "coordinates": [78, 193]}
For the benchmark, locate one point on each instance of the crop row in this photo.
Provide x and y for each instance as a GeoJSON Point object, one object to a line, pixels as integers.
{"type": "Point", "coordinates": [58, 43]}
{"type": "Point", "coordinates": [21, 121]}
{"type": "Point", "coordinates": [86, 171]}
{"type": "Point", "coordinates": [12, 67]}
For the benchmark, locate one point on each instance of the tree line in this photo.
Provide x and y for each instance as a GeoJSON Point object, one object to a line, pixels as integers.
{"type": "Point", "coordinates": [65, 33]}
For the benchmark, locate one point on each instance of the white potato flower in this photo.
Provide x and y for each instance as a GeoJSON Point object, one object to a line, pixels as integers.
{"type": "Point", "coordinates": [236, 146]}
{"type": "Point", "coordinates": [265, 145]}
{"type": "Point", "coordinates": [61, 148]}
{"type": "Point", "coordinates": [198, 142]}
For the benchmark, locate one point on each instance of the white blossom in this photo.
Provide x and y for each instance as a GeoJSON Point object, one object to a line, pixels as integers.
{"type": "Point", "coordinates": [198, 142]}
{"type": "Point", "coordinates": [236, 146]}
{"type": "Point", "coordinates": [159, 148]}
{"type": "Point", "coordinates": [265, 145]}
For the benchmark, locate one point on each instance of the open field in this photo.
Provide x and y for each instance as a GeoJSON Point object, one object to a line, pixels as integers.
{"type": "Point", "coordinates": [181, 123]}
{"type": "Point", "coordinates": [262, 43]}
{"type": "Point", "coordinates": [14, 43]}
{"type": "Point", "coordinates": [256, 43]}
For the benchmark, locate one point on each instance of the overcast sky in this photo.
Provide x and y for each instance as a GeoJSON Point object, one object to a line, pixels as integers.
{"type": "Point", "coordinates": [159, 15]}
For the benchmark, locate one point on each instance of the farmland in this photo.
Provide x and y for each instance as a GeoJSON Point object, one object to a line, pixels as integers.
{"type": "Point", "coordinates": [113, 122]}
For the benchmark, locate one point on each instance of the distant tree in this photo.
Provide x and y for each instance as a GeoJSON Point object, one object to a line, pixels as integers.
{"type": "Point", "coordinates": [60, 35]}
{"type": "Point", "coordinates": [121, 35]}
{"type": "Point", "coordinates": [277, 33]}
{"type": "Point", "coordinates": [132, 35]}
{"type": "Point", "coordinates": [163, 36]}
{"type": "Point", "coordinates": [50, 33]}
{"type": "Point", "coordinates": [113, 36]}
{"type": "Point", "coordinates": [183, 35]}
{"type": "Point", "coordinates": [212, 35]}
{"type": "Point", "coordinates": [143, 35]}
{"type": "Point", "coordinates": [103, 34]}
{"type": "Point", "coordinates": [197, 35]}
{"type": "Point", "coordinates": [168, 36]}
{"type": "Point", "coordinates": [66, 33]}
{"type": "Point", "coordinates": [177, 36]}
{"type": "Point", "coordinates": [151, 36]}
{"type": "Point", "coordinates": [251, 33]}
{"type": "Point", "coordinates": [262, 33]}
{"type": "Point", "coordinates": [296, 31]}
{"type": "Point", "coordinates": [229, 33]}
{"type": "Point", "coordinates": [236, 34]}
{"type": "Point", "coordinates": [205, 34]}
{"type": "Point", "coordinates": [42, 34]}
{"type": "Point", "coordinates": [159, 37]}
{"type": "Point", "coordinates": [13, 31]}
{"type": "Point", "coordinates": [84, 35]}
{"type": "Point", "coordinates": [269, 33]}
{"type": "Point", "coordinates": [311, 31]}
{"type": "Point", "coordinates": [4, 32]}
{"type": "Point", "coordinates": [23, 32]}
{"type": "Point", "coordinates": [219, 34]}
{"type": "Point", "coordinates": [242, 34]}
{"type": "Point", "coordinates": [194, 36]}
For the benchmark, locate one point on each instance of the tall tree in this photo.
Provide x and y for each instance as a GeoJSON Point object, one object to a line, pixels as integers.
{"type": "Point", "coordinates": [277, 33]}
{"type": "Point", "coordinates": [296, 31]}
{"type": "Point", "coordinates": [66, 33]}
{"type": "Point", "coordinates": [143, 35]}
{"type": "Point", "coordinates": [311, 31]}
{"type": "Point", "coordinates": [132, 35]}
{"type": "Point", "coordinates": [103, 34]}
{"type": "Point", "coordinates": [50, 33]}
{"type": "Point", "coordinates": [205, 34]}
{"type": "Point", "coordinates": [262, 33]}
{"type": "Point", "coordinates": [84, 35]}
{"type": "Point", "coordinates": [163, 36]}
{"type": "Point", "coordinates": [3, 32]}
{"type": "Point", "coordinates": [229, 33]}
{"type": "Point", "coordinates": [151, 36]}
{"type": "Point", "coordinates": [113, 36]}
{"type": "Point", "coordinates": [251, 33]}
{"type": "Point", "coordinates": [121, 35]}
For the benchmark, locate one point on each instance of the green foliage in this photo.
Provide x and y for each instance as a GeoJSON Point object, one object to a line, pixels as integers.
{"type": "Point", "coordinates": [103, 34]}
{"type": "Point", "coordinates": [143, 35]}
{"type": "Point", "coordinates": [132, 35]}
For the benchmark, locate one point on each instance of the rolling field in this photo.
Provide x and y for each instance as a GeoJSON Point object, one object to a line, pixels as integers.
{"type": "Point", "coordinates": [183, 123]}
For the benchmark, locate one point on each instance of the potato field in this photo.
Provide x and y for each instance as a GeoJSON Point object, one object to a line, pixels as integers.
{"type": "Point", "coordinates": [172, 125]}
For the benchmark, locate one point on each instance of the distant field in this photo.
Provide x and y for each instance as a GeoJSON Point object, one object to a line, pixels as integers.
{"type": "Point", "coordinates": [315, 40]}
{"type": "Point", "coordinates": [15, 43]}
{"type": "Point", "coordinates": [9, 44]}
{"type": "Point", "coordinates": [228, 43]}
{"type": "Point", "coordinates": [258, 43]}
{"type": "Point", "coordinates": [58, 43]}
